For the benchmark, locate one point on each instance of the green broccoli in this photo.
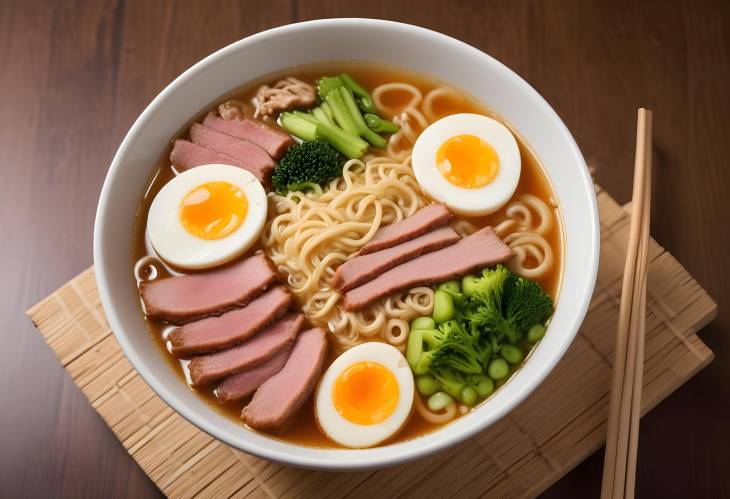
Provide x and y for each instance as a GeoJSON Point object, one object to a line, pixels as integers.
{"type": "Point", "coordinates": [461, 350]}
{"type": "Point", "coordinates": [506, 305]}
{"type": "Point", "coordinates": [451, 346]}
{"type": "Point", "coordinates": [525, 303]}
{"type": "Point", "coordinates": [451, 354]}
{"type": "Point", "coordinates": [469, 353]}
{"type": "Point", "coordinates": [305, 165]}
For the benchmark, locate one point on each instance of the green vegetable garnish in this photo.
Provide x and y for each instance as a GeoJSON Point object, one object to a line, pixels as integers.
{"type": "Point", "coordinates": [364, 101]}
{"type": "Point", "coordinates": [306, 166]}
{"type": "Point", "coordinates": [506, 305]}
{"type": "Point", "coordinates": [469, 343]}
{"type": "Point", "coordinates": [378, 124]}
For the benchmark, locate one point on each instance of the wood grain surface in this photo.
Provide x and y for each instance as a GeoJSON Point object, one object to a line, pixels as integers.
{"type": "Point", "coordinates": [74, 75]}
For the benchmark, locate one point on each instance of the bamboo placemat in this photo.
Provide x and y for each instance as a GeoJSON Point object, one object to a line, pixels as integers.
{"type": "Point", "coordinates": [559, 425]}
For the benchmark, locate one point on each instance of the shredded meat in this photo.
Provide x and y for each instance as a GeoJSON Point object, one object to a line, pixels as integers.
{"type": "Point", "coordinates": [289, 93]}
{"type": "Point", "coordinates": [231, 109]}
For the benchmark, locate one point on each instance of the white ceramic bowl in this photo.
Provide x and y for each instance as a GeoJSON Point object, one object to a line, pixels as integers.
{"type": "Point", "coordinates": [392, 43]}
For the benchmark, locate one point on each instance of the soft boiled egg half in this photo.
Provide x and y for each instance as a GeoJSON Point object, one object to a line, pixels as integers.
{"type": "Point", "coordinates": [469, 162]}
{"type": "Point", "coordinates": [365, 396]}
{"type": "Point", "coordinates": [207, 216]}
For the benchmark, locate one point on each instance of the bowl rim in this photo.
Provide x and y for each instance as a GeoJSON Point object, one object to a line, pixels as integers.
{"type": "Point", "coordinates": [330, 459]}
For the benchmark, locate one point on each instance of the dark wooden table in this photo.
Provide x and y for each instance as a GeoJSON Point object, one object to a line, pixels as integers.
{"type": "Point", "coordinates": [74, 75]}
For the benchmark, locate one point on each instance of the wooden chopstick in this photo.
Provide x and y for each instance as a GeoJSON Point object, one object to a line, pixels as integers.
{"type": "Point", "coordinates": [619, 469]}
{"type": "Point", "coordinates": [641, 325]}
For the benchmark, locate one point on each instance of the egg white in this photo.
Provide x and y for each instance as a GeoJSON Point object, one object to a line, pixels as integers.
{"type": "Point", "coordinates": [174, 244]}
{"type": "Point", "coordinates": [355, 435]}
{"type": "Point", "coordinates": [469, 202]}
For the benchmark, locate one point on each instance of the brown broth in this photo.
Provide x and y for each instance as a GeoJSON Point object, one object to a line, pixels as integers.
{"type": "Point", "coordinates": [304, 430]}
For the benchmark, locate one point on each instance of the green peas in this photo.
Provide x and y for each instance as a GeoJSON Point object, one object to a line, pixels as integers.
{"type": "Point", "coordinates": [439, 401]}
{"type": "Point", "coordinates": [443, 307]}
{"type": "Point", "coordinates": [423, 323]}
{"type": "Point", "coordinates": [498, 369]}
{"type": "Point", "coordinates": [511, 354]}
{"type": "Point", "coordinates": [451, 287]}
{"type": "Point", "coordinates": [426, 385]}
{"type": "Point", "coordinates": [468, 284]}
{"type": "Point", "coordinates": [535, 333]}
{"type": "Point", "coordinates": [485, 387]}
{"type": "Point", "coordinates": [469, 395]}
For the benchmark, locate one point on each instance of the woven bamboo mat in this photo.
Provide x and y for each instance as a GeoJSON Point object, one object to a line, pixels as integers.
{"type": "Point", "coordinates": [559, 425]}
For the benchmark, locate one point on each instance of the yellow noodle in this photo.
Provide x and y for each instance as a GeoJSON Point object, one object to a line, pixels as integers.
{"type": "Point", "coordinates": [379, 92]}
{"type": "Point", "coordinates": [435, 94]}
{"type": "Point", "coordinates": [529, 220]}
{"type": "Point", "coordinates": [308, 239]}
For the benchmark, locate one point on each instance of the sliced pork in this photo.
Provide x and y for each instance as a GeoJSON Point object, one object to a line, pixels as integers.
{"type": "Point", "coordinates": [216, 333]}
{"type": "Point", "coordinates": [363, 268]}
{"type": "Point", "coordinates": [243, 384]}
{"type": "Point", "coordinates": [206, 369]}
{"type": "Point", "coordinates": [422, 221]}
{"type": "Point", "coordinates": [249, 155]}
{"type": "Point", "coordinates": [186, 155]}
{"type": "Point", "coordinates": [274, 142]}
{"type": "Point", "coordinates": [279, 398]}
{"type": "Point", "coordinates": [475, 252]}
{"type": "Point", "coordinates": [194, 296]}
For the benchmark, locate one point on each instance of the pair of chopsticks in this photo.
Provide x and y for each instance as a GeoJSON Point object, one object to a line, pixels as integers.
{"type": "Point", "coordinates": [619, 466]}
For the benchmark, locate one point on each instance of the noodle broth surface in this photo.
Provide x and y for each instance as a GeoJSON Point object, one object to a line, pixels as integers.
{"type": "Point", "coordinates": [533, 181]}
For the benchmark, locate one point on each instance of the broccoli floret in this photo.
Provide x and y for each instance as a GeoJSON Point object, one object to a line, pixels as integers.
{"type": "Point", "coordinates": [450, 347]}
{"type": "Point", "coordinates": [505, 305]}
{"type": "Point", "coordinates": [525, 303]}
{"type": "Point", "coordinates": [488, 289]}
{"type": "Point", "coordinates": [311, 162]}
{"type": "Point", "coordinates": [461, 350]}
{"type": "Point", "coordinates": [496, 311]}
{"type": "Point", "coordinates": [484, 309]}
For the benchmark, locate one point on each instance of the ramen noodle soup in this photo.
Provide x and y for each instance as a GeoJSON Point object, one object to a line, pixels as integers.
{"type": "Point", "coordinates": [347, 254]}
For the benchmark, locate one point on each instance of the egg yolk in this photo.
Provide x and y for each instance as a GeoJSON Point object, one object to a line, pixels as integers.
{"type": "Point", "coordinates": [213, 210]}
{"type": "Point", "coordinates": [467, 161]}
{"type": "Point", "coordinates": [365, 393]}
